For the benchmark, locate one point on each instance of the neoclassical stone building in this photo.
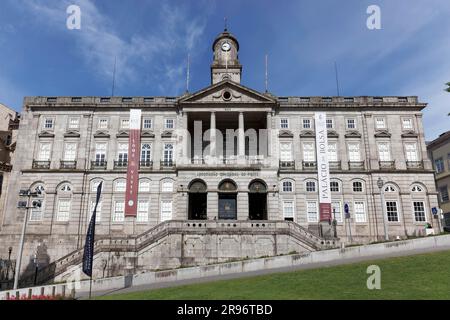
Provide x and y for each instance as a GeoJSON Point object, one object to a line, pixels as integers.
{"type": "Point", "coordinates": [225, 172]}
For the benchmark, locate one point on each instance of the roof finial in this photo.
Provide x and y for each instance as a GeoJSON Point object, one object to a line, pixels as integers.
{"type": "Point", "coordinates": [226, 23]}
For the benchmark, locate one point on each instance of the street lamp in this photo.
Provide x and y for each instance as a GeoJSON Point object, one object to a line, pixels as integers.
{"type": "Point", "coordinates": [29, 205]}
{"type": "Point", "coordinates": [380, 184]}
{"type": "Point", "coordinates": [9, 263]}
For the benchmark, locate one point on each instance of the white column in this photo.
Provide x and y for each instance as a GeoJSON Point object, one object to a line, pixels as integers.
{"type": "Point", "coordinates": [241, 137]}
{"type": "Point", "coordinates": [212, 137]}
{"type": "Point", "coordinates": [186, 145]}
{"type": "Point", "coordinates": [269, 132]}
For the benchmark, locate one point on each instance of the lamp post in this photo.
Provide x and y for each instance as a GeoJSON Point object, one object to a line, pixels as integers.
{"type": "Point", "coordinates": [9, 263]}
{"type": "Point", "coordinates": [29, 205]}
{"type": "Point", "coordinates": [380, 184]}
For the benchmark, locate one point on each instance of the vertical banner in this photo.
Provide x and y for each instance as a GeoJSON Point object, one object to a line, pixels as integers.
{"type": "Point", "coordinates": [134, 150]}
{"type": "Point", "coordinates": [323, 169]}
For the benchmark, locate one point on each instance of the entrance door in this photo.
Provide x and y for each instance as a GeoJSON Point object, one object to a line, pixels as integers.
{"type": "Point", "coordinates": [227, 206]}
{"type": "Point", "coordinates": [257, 201]}
{"type": "Point", "coordinates": [197, 201]}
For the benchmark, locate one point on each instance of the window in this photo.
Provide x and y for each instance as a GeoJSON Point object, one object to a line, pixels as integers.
{"type": "Point", "coordinates": [332, 152]}
{"type": "Point", "coordinates": [306, 123]}
{"type": "Point", "coordinates": [439, 165]}
{"type": "Point", "coordinates": [142, 211]}
{"type": "Point", "coordinates": [351, 123]}
{"type": "Point", "coordinates": [287, 186]}
{"type": "Point", "coordinates": [391, 211]}
{"type": "Point", "coordinates": [63, 210]}
{"type": "Point", "coordinates": [125, 124]}
{"type": "Point", "coordinates": [98, 214]}
{"type": "Point", "coordinates": [120, 185]}
{"type": "Point", "coordinates": [70, 151]}
{"type": "Point", "coordinates": [286, 151]}
{"type": "Point", "coordinates": [419, 211]}
{"type": "Point", "coordinates": [144, 186]}
{"type": "Point", "coordinates": [95, 184]}
{"type": "Point", "coordinates": [383, 151]}
{"type": "Point", "coordinates": [122, 155]}
{"type": "Point", "coordinates": [65, 188]}
{"type": "Point", "coordinates": [119, 211]}
{"type": "Point", "coordinates": [380, 123]}
{"type": "Point", "coordinates": [443, 191]}
{"type": "Point", "coordinates": [336, 210]}
{"type": "Point", "coordinates": [308, 152]}
{"type": "Point", "coordinates": [167, 186]}
{"type": "Point", "coordinates": [49, 123]}
{"type": "Point", "coordinates": [407, 124]}
{"type": "Point", "coordinates": [311, 208]}
{"type": "Point", "coordinates": [334, 186]}
{"type": "Point", "coordinates": [288, 210]}
{"type": "Point", "coordinates": [148, 124]}
{"type": "Point", "coordinates": [357, 186]}
{"type": "Point", "coordinates": [100, 153]}
{"type": "Point", "coordinates": [146, 152]}
{"type": "Point", "coordinates": [330, 124]}
{"type": "Point", "coordinates": [310, 186]}
{"type": "Point", "coordinates": [389, 188]}
{"type": "Point", "coordinates": [353, 152]}
{"type": "Point", "coordinates": [360, 211]}
{"type": "Point", "coordinates": [74, 123]}
{"type": "Point", "coordinates": [411, 152]}
{"type": "Point", "coordinates": [169, 124]}
{"type": "Point", "coordinates": [284, 123]}
{"type": "Point", "coordinates": [416, 188]}
{"type": "Point", "coordinates": [44, 151]}
{"type": "Point", "coordinates": [168, 153]}
{"type": "Point", "coordinates": [103, 123]}
{"type": "Point", "coordinates": [166, 210]}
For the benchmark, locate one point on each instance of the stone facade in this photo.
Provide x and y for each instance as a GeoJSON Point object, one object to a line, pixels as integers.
{"type": "Point", "coordinates": [68, 145]}
{"type": "Point", "coordinates": [439, 152]}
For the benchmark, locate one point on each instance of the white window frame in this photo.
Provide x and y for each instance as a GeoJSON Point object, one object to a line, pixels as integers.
{"type": "Point", "coordinates": [73, 125]}
{"type": "Point", "coordinates": [353, 152]}
{"type": "Point", "coordinates": [63, 216]}
{"type": "Point", "coordinates": [120, 185]}
{"type": "Point", "coordinates": [332, 152]}
{"type": "Point", "coordinates": [380, 123]}
{"type": "Point", "coordinates": [360, 215]}
{"type": "Point", "coordinates": [165, 213]}
{"type": "Point", "coordinates": [144, 124]}
{"type": "Point", "coordinates": [362, 186]}
{"type": "Point", "coordinates": [44, 123]}
{"type": "Point", "coordinates": [338, 186]}
{"type": "Point", "coordinates": [286, 188]}
{"type": "Point", "coordinates": [124, 124]}
{"type": "Point", "coordinates": [387, 213]}
{"type": "Point", "coordinates": [100, 151]}
{"type": "Point", "coordinates": [288, 204]}
{"type": "Point", "coordinates": [384, 151]}
{"type": "Point", "coordinates": [414, 211]}
{"type": "Point", "coordinates": [141, 184]}
{"type": "Point", "coordinates": [66, 149]}
{"type": "Point", "coordinates": [411, 150]}
{"type": "Point", "coordinates": [330, 123]}
{"type": "Point", "coordinates": [286, 151]}
{"type": "Point", "coordinates": [310, 212]}
{"type": "Point", "coordinates": [103, 124]}
{"type": "Point", "coordinates": [122, 152]}
{"type": "Point", "coordinates": [309, 151]}
{"type": "Point", "coordinates": [98, 215]}
{"type": "Point", "coordinates": [167, 125]}
{"type": "Point", "coordinates": [347, 124]}
{"type": "Point", "coordinates": [144, 159]}
{"type": "Point", "coordinates": [284, 123]}
{"type": "Point", "coordinates": [167, 186]}
{"type": "Point", "coordinates": [310, 182]}
{"type": "Point", "coordinates": [168, 153]}
{"type": "Point", "coordinates": [307, 123]}
{"type": "Point", "coordinates": [118, 211]}
{"type": "Point", "coordinates": [143, 207]}
{"type": "Point", "coordinates": [408, 127]}
{"type": "Point", "coordinates": [337, 205]}
{"type": "Point", "coordinates": [42, 153]}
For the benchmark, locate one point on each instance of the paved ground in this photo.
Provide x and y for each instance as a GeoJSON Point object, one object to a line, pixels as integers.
{"type": "Point", "coordinates": [262, 272]}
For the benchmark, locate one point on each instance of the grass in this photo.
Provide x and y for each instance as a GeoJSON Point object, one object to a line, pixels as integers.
{"type": "Point", "coordinates": [425, 276]}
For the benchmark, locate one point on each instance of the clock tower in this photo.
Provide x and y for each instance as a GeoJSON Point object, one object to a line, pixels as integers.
{"type": "Point", "coordinates": [226, 64]}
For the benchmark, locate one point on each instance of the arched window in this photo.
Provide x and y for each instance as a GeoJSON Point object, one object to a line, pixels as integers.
{"type": "Point", "coordinates": [417, 188]}
{"type": "Point", "coordinates": [389, 188]}
{"type": "Point", "coordinates": [120, 185]}
{"type": "Point", "coordinates": [64, 203]}
{"type": "Point", "coordinates": [167, 186]}
{"type": "Point", "coordinates": [144, 185]}
{"type": "Point", "coordinates": [310, 186]}
{"type": "Point", "coordinates": [38, 210]}
{"type": "Point", "coordinates": [357, 186]}
{"type": "Point", "coordinates": [227, 186]}
{"type": "Point", "coordinates": [146, 154]}
{"type": "Point", "coordinates": [287, 186]}
{"type": "Point", "coordinates": [257, 187]}
{"type": "Point", "coordinates": [334, 186]}
{"type": "Point", "coordinates": [198, 187]}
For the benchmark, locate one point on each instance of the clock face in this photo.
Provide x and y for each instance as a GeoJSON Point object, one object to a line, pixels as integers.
{"type": "Point", "coordinates": [226, 46]}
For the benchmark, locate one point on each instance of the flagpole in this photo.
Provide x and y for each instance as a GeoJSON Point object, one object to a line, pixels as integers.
{"type": "Point", "coordinates": [90, 288]}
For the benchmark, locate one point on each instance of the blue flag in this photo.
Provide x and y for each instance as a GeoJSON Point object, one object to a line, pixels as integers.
{"type": "Point", "coordinates": [88, 256]}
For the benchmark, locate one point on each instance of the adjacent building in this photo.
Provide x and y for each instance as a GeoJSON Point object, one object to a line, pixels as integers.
{"type": "Point", "coordinates": [439, 153]}
{"type": "Point", "coordinates": [218, 164]}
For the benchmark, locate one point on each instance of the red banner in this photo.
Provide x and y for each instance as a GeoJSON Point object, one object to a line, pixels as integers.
{"type": "Point", "coordinates": [325, 212]}
{"type": "Point", "coordinates": [134, 150]}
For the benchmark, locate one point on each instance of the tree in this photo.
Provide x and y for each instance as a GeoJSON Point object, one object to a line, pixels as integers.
{"type": "Point", "coordinates": [448, 89]}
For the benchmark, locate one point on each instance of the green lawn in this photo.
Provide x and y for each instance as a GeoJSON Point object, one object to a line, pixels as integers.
{"type": "Point", "coordinates": [425, 276]}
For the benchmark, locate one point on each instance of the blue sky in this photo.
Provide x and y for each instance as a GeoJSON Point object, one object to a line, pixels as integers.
{"type": "Point", "coordinates": [151, 39]}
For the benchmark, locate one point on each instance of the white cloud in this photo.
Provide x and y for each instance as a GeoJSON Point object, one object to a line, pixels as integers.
{"type": "Point", "coordinates": [154, 57]}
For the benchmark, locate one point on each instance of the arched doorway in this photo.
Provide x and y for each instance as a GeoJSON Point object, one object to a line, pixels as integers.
{"type": "Point", "coordinates": [227, 200]}
{"type": "Point", "coordinates": [257, 200]}
{"type": "Point", "coordinates": [197, 201]}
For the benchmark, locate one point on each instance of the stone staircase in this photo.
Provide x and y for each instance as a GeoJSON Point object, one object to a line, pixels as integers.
{"type": "Point", "coordinates": [135, 244]}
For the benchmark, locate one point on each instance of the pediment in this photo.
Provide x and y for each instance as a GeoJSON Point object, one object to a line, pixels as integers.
{"type": "Point", "coordinates": [72, 134]}
{"type": "Point", "coordinates": [382, 134]}
{"type": "Point", "coordinates": [228, 92]}
{"type": "Point", "coordinates": [307, 134]}
{"type": "Point", "coordinates": [122, 134]}
{"type": "Point", "coordinates": [147, 134]}
{"type": "Point", "coordinates": [409, 134]}
{"type": "Point", "coordinates": [167, 134]}
{"type": "Point", "coordinates": [101, 134]}
{"type": "Point", "coordinates": [332, 134]}
{"type": "Point", "coordinates": [285, 134]}
{"type": "Point", "coordinates": [46, 134]}
{"type": "Point", "coordinates": [353, 134]}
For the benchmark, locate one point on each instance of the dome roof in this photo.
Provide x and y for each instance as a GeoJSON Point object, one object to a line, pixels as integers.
{"type": "Point", "coordinates": [223, 35]}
